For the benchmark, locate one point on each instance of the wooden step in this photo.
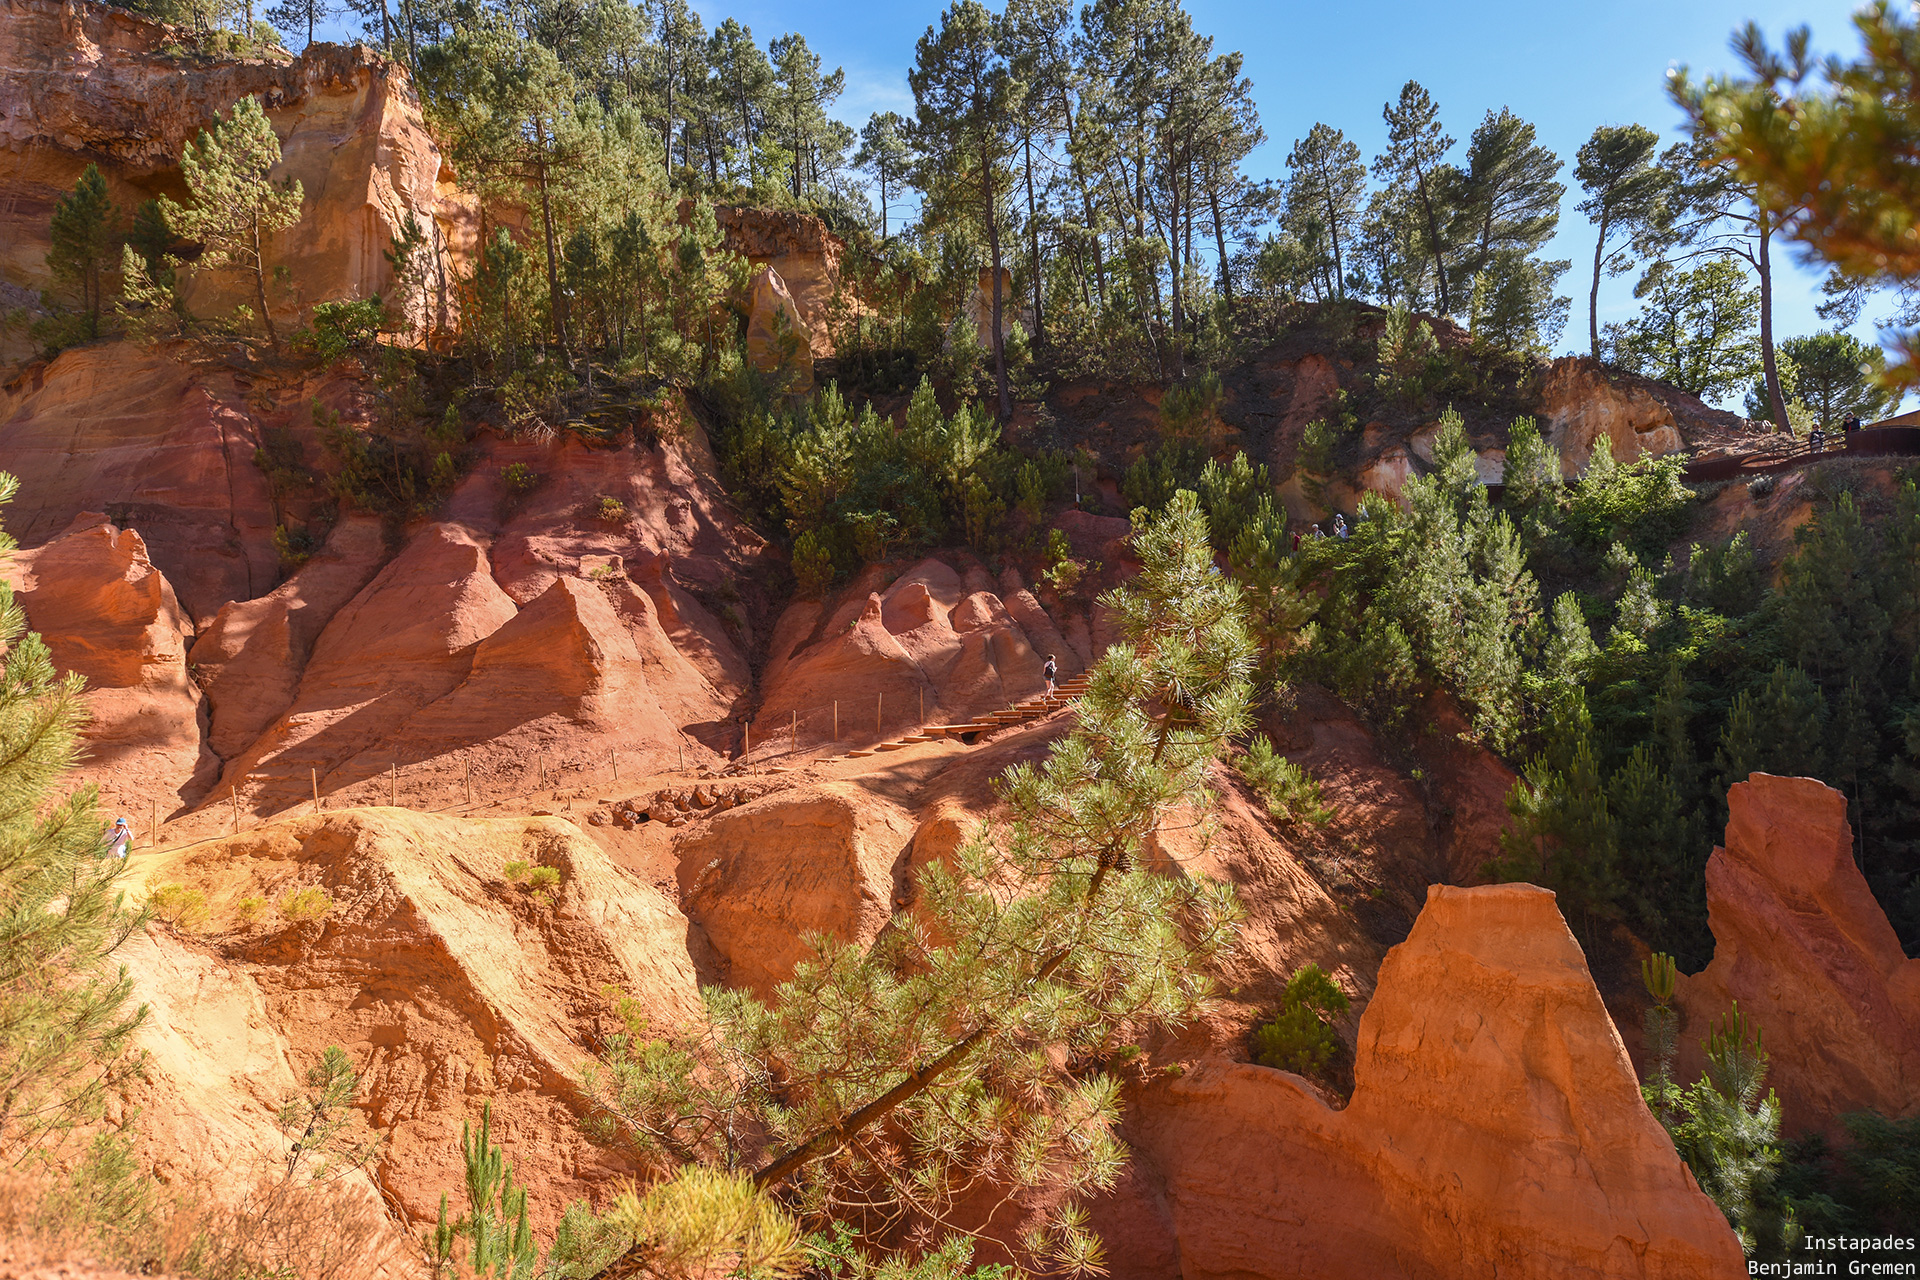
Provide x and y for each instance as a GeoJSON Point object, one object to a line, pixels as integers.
{"type": "Point", "coordinates": [890, 746]}
{"type": "Point", "coordinates": [918, 737]}
{"type": "Point", "coordinates": [858, 755]}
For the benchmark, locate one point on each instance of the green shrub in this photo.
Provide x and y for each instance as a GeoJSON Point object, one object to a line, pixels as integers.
{"type": "Point", "coordinates": [248, 909]}
{"type": "Point", "coordinates": [295, 545]}
{"type": "Point", "coordinates": [1301, 1037]}
{"type": "Point", "coordinates": [519, 479]}
{"type": "Point", "coordinates": [611, 510]}
{"type": "Point", "coordinates": [543, 878]}
{"type": "Point", "coordinates": [812, 564]}
{"type": "Point", "coordinates": [183, 908]}
{"type": "Point", "coordinates": [340, 327]}
{"type": "Point", "coordinates": [516, 870]}
{"type": "Point", "coordinates": [1316, 448]}
{"type": "Point", "coordinates": [1290, 792]}
{"type": "Point", "coordinates": [310, 903]}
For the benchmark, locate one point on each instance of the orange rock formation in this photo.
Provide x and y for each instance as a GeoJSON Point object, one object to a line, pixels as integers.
{"type": "Point", "coordinates": [1496, 1128]}
{"type": "Point", "coordinates": [1800, 942]}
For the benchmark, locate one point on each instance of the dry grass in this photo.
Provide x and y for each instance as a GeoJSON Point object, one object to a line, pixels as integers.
{"type": "Point", "coordinates": [96, 1227]}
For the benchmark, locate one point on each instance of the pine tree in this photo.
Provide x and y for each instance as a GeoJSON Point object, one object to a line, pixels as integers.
{"type": "Point", "coordinates": [65, 1029]}
{"type": "Point", "coordinates": [1696, 329]}
{"type": "Point", "coordinates": [1626, 197]}
{"type": "Point", "coordinates": [1510, 197]}
{"type": "Point", "coordinates": [236, 206]}
{"type": "Point", "coordinates": [885, 153]}
{"type": "Point", "coordinates": [297, 17]}
{"type": "Point", "coordinates": [1831, 619]}
{"type": "Point", "coordinates": [1324, 188]}
{"type": "Point", "coordinates": [908, 1069]}
{"type": "Point", "coordinates": [84, 244]}
{"type": "Point", "coordinates": [1663, 857]}
{"type": "Point", "coordinates": [1415, 159]}
{"type": "Point", "coordinates": [964, 95]}
{"type": "Point", "coordinates": [1778, 728]}
{"type": "Point", "coordinates": [1560, 832]}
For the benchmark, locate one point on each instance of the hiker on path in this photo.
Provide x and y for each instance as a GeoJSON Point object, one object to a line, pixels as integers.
{"type": "Point", "coordinates": [1050, 671]}
{"type": "Point", "coordinates": [119, 838]}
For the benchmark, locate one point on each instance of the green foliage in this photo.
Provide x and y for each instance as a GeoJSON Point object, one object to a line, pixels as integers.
{"type": "Point", "coordinates": [1728, 1134]}
{"type": "Point", "coordinates": [516, 870]}
{"type": "Point", "coordinates": [65, 1029]}
{"type": "Point", "coordinates": [340, 327]}
{"type": "Point", "coordinates": [1154, 478]}
{"type": "Point", "coordinates": [1561, 832]}
{"type": "Point", "coordinates": [543, 878]}
{"type": "Point", "coordinates": [610, 509]}
{"type": "Point", "coordinates": [519, 479]}
{"type": "Point", "coordinates": [1642, 504]}
{"type": "Point", "coordinates": [236, 207]}
{"type": "Point", "coordinates": [1829, 376]}
{"type": "Point", "coordinates": [178, 905]}
{"type": "Point", "coordinates": [1411, 362]}
{"type": "Point", "coordinates": [492, 1239]}
{"type": "Point", "coordinates": [1301, 1037]}
{"type": "Point", "coordinates": [84, 248]}
{"type": "Point", "coordinates": [309, 903]}
{"type": "Point", "coordinates": [812, 564]}
{"type": "Point", "coordinates": [1697, 329]}
{"type": "Point", "coordinates": [1290, 792]}
{"type": "Point", "coordinates": [1189, 410]}
{"type": "Point", "coordinates": [1042, 943]}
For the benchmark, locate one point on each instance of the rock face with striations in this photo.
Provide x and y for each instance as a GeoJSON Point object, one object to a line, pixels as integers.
{"type": "Point", "coordinates": [446, 984]}
{"type": "Point", "coordinates": [87, 83]}
{"type": "Point", "coordinates": [1496, 1128]}
{"type": "Point", "coordinates": [109, 615]}
{"type": "Point", "coordinates": [1800, 942]}
{"type": "Point", "coordinates": [1582, 407]}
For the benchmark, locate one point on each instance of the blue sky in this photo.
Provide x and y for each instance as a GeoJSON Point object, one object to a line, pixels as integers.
{"type": "Point", "coordinates": [1565, 67]}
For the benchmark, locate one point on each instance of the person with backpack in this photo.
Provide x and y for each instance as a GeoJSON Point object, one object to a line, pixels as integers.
{"type": "Point", "coordinates": [1050, 671]}
{"type": "Point", "coordinates": [119, 838]}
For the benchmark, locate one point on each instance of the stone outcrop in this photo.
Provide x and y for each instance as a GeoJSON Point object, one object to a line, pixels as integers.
{"type": "Point", "coordinates": [252, 656]}
{"type": "Point", "coordinates": [1581, 406]}
{"type": "Point", "coordinates": [1016, 311]}
{"type": "Point", "coordinates": [1801, 943]}
{"type": "Point", "coordinates": [107, 614]}
{"type": "Point", "coordinates": [1496, 1128]}
{"type": "Point", "coordinates": [801, 251]}
{"type": "Point", "coordinates": [778, 343]}
{"type": "Point", "coordinates": [121, 429]}
{"type": "Point", "coordinates": [86, 83]}
{"type": "Point", "coordinates": [446, 984]}
{"type": "Point", "coordinates": [761, 878]}
{"type": "Point", "coordinates": [932, 644]}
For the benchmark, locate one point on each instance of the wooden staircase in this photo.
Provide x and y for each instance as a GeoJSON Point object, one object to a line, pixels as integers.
{"type": "Point", "coordinates": [1019, 713]}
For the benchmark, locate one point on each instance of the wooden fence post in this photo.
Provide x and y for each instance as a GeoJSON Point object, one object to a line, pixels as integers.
{"type": "Point", "coordinates": [613, 758]}
{"type": "Point", "coordinates": [153, 824]}
{"type": "Point", "coordinates": [469, 772]}
{"type": "Point", "coordinates": [836, 719]}
{"type": "Point", "coordinates": [879, 701]}
{"type": "Point", "coordinates": [393, 783]}
{"type": "Point", "coordinates": [794, 730]}
{"type": "Point", "coordinates": [233, 798]}
{"type": "Point", "coordinates": [314, 775]}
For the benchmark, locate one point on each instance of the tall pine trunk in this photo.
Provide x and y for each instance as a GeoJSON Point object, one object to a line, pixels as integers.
{"type": "Point", "coordinates": [999, 302]}
{"type": "Point", "coordinates": [260, 286]}
{"type": "Point", "coordinates": [1763, 261]}
{"type": "Point", "coordinates": [556, 300]}
{"type": "Point", "coordinates": [1593, 294]}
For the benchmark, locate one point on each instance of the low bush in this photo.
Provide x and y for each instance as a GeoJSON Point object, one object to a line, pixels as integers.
{"type": "Point", "coordinates": [310, 903]}
{"type": "Point", "coordinates": [1290, 792]}
{"type": "Point", "coordinates": [176, 904]}
{"type": "Point", "coordinates": [1301, 1037]}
